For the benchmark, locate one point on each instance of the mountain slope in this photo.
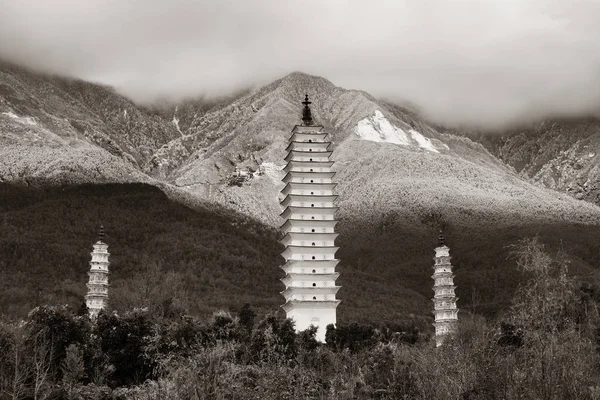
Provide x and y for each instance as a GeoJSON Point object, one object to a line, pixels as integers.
{"type": "Point", "coordinates": [73, 126]}
{"type": "Point", "coordinates": [391, 205]}
{"type": "Point", "coordinates": [561, 154]}
{"type": "Point", "coordinates": [393, 196]}
{"type": "Point", "coordinates": [251, 133]}
{"type": "Point", "coordinates": [47, 234]}
{"type": "Point", "coordinates": [400, 179]}
{"type": "Point", "coordinates": [210, 261]}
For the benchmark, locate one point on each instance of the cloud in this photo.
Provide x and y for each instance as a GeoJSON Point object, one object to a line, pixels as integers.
{"type": "Point", "coordinates": [481, 62]}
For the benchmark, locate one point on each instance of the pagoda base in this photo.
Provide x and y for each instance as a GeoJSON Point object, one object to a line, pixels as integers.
{"type": "Point", "coordinates": [307, 313]}
{"type": "Point", "coordinates": [443, 329]}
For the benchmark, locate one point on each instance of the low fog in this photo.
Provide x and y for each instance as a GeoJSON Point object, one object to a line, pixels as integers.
{"type": "Point", "coordinates": [476, 62]}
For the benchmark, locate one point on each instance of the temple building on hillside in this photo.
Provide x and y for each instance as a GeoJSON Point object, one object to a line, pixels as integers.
{"type": "Point", "coordinates": [309, 228]}
{"type": "Point", "coordinates": [444, 299]}
{"type": "Point", "coordinates": [97, 297]}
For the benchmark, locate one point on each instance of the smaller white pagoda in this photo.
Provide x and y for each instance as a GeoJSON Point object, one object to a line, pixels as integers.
{"type": "Point", "coordinates": [97, 297]}
{"type": "Point", "coordinates": [444, 299]}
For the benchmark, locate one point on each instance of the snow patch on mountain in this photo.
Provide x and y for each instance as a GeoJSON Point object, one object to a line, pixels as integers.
{"type": "Point", "coordinates": [23, 120]}
{"type": "Point", "coordinates": [377, 128]}
{"type": "Point", "coordinates": [423, 141]}
{"type": "Point", "coordinates": [176, 123]}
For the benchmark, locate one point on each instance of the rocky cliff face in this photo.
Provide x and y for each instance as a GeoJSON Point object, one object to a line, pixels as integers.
{"type": "Point", "coordinates": [562, 155]}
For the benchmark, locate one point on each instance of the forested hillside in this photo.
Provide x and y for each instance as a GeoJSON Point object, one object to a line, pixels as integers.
{"type": "Point", "coordinates": [200, 260]}
{"type": "Point", "coordinates": [159, 249]}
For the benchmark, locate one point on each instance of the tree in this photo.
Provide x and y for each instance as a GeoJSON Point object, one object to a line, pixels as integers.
{"type": "Point", "coordinates": [41, 363]}
{"type": "Point", "coordinates": [355, 337]}
{"type": "Point", "coordinates": [72, 369]}
{"type": "Point", "coordinates": [57, 328]}
{"type": "Point", "coordinates": [223, 327]}
{"type": "Point", "coordinates": [246, 317]}
{"type": "Point", "coordinates": [83, 309]}
{"type": "Point", "coordinates": [554, 353]}
{"type": "Point", "coordinates": [124, 340]}
{"type": "Point", "coordinates": [545, 301]}
{"type": "Point", "coordinates": [307, 339]}
{"type": "Point", "coordinates": [274, 340]}
{"type": "Point", "coordinates": [14, 368]}
{"type": "Point", "coordinates": [152, 288]}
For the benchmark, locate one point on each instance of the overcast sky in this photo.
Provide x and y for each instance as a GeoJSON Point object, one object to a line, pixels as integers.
{"type": "Point", "coordinates": [460, 61]}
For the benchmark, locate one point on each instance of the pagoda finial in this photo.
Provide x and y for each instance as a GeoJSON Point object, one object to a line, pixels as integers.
{"type": "Point", "coordinates": [306, 115]}
{"type": "Point", "coordinates": [101, 234]}
{"type": "Point", "coordinates": [441, 238]}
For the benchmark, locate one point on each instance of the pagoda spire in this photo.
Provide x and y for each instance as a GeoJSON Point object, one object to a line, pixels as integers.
{"type": "Point", "coordinates": [101, 234]}
{"type": "Point", "coordinates": [97, 296]}
{"type": "Point", "coordinates": [444, 299]}
{"type": "Point", "coordinates": [309, 228]}
{"type": "Point", "coordinates": [306, 114]}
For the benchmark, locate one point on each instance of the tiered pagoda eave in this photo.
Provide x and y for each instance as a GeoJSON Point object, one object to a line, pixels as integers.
{"type": "Point", "coordinates": [97, 296]}
{"type": "Point", "coordinates": [444, 300]}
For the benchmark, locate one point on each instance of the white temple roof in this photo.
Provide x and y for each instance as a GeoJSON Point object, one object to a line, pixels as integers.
{"type": "Point", "coordinates": [307, 186]}
{"type": "Point", "coordinates": [307, 129]}
{"type": "Point", "coordinates": [307, 198]}
{"type": "Point", "coordinates": [305, 146]}
{"type": "Point", "coordinates": [292, 164]}
{"type": "Point", "coordinates": [308, 250]}
{"type": "Point", "coordinates": [320, 155]}
{"type": "Point", "coordinates": [309, 264]}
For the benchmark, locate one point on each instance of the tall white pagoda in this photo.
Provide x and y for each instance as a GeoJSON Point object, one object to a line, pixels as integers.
{"type": "Point", "coordinates": [308, 230]}
{"type": "Point", "coordinates": [444, 299]}
{"type": "Point", "coordinates": [97, 297]}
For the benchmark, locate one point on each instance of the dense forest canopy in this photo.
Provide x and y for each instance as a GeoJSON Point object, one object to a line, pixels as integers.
{"type": "Point", "coordinates": [204, 259]}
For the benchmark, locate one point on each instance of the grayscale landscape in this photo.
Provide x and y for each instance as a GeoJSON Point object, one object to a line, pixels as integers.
{"type": "Point", "coordinates": [149, 229]}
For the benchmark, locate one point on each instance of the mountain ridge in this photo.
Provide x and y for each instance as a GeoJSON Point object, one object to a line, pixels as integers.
{"type": "Point", "coordinates": [121, 142]}
{"type": "Point", "coordinates": [393, 197]}
{"type": "Point", "coordinates": [561, 154]}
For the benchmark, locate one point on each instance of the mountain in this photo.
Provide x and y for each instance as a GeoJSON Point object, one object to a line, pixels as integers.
{"type": "Point", "coordinates": [375, 144]}
{"type": "Point", "coordinates": [399, 180]}
{"type": "Point", "coordinates": [59, 130]}
{"type": "Point", "coordinates": [251, 133]}
{"type": "Point", "coordinates": [560, 154]}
